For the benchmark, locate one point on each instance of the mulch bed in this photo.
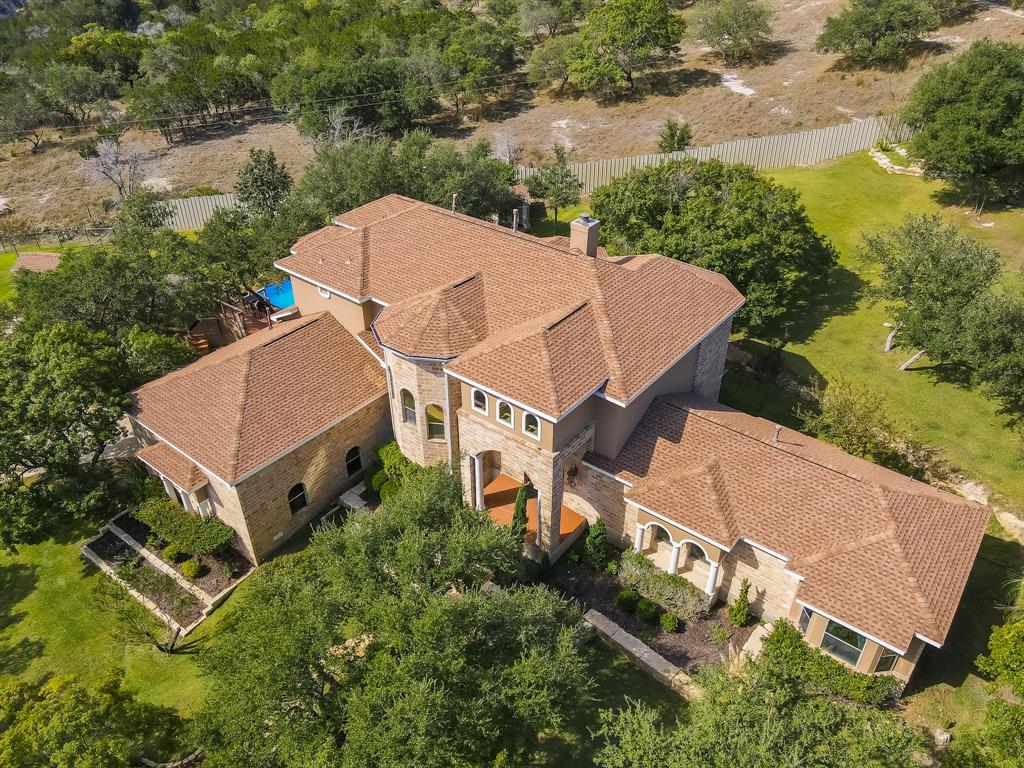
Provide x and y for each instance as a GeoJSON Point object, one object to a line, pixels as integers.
{"type": "Point", "coordinates": [183, 607]}
{"type": "Point", "coordinates": [212, 579]}
{"type": "Point", "coordinates": [689, 649]}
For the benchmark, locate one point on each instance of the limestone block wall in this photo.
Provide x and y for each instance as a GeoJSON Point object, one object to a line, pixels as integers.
{"type": "Point", "coordinates": [772, 589]}
{"type": "Point", "coordinates": [710, 367]}
{"type": "Point", "coordinates": [426, 381]}
{"type": "Point", "coordinates": [320, 465]}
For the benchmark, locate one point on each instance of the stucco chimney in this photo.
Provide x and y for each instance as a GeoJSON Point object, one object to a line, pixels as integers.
{"type": "Point", "coordinates": [583, 234]}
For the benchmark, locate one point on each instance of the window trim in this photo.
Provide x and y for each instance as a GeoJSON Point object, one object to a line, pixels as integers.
{"type": "Point", "coordinates": [292, 496]}
{"type": "Point", "coordinates": [358, 458]}
{"type": "Point", "coordinates": [408, 411]}
{"type": "Point", "coordinates": [324, 293]}
{"type": "Point", "coordinates": [511, 414]}
{"type": "Point", "coordinates": [429, 423]}
{"type": "Point", "coordinates": [841, 642]}
{"type": "Point", "coordinates": [472, 400]}
{"type": "Point", "coordinates": [536, 418]}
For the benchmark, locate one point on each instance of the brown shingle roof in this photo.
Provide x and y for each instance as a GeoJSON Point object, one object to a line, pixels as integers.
{"type": "Point", "coordinates": [878, 550]}
{"type": "Point", "coordinates": [240, 406]}
{"type": "Point", "coordinates": [181, 470]}
{"type": "Point", "coordinates": [453, 283]}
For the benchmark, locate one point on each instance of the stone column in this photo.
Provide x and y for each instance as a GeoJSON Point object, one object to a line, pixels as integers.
{"type": "Point", "coordinates": [478, 479]}
{"type": "Point", "coordinates": [638, 539]}
{"type": "Point", "coordinates": [711, 586]}
{"type": "Point", "coordinates": [673, 563]}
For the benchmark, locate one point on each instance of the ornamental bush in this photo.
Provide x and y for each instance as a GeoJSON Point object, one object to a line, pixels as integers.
{"type": "Point", "coordinates": [190, 569]}
{"type": "Point", "coordinates": [669, 622]}
{"type": "Point", "coordinates": [739, 611]}
{"type": "Point", "coordinates": [648, 610]}
{"type": "Point", "coordinates": [172, 553]}
{"type": "Point", "coordinates": [785, 652]}
{"type": "Point", "coordinates": [671, 591]}
{"type": "Point", "coordinates": [595, 549]}
{"type": "Point", "coordinates": [627, 599]}
{"type": "Point", "coordinates": [185, 531]}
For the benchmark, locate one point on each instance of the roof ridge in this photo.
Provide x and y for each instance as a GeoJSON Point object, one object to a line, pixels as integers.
{"type": "Point", "coordinates": [236, 433]}
{"type": "Point", "coordinates": [824, 465]}
{"type": "Point", "coordinates": [607, 338]}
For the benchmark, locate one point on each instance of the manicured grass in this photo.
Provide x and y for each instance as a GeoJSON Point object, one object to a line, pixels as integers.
{"type": "Point", "coordinates": [842, 333]}
{"type": "Point", "coordinates": [546, 227]}
{"type": "Point", "coordinates": [50, 623]}
{"type": "Point", "coordinates": [6, 262]}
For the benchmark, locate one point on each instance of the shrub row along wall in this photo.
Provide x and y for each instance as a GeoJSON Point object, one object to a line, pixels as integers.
{"type": "Point", "coordinates": [803, 148]}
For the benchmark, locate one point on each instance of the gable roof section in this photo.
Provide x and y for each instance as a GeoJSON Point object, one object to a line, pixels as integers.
{"type": "Point", "coordinates": [247, 403]}
{"type": "Point", "coordinates": [882, 552]}
{"type": "Point", "coordinates": [455, 286]}
{"type": "Point", "coordinates": [176, 467]}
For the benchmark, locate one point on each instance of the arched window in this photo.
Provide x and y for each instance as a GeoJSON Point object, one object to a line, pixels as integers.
{"type": "Point", "coordinates": [435, 422]}
{"type": "Point", "coordinates": [505, 413]}
{"type": "Point", "coordinates": [694, 551]}
{"type": "Point", "coordinates": [297, 498]}
{"type": "Point", "coordinates": [480, 401]}
{"type": "Point", "coordinates": [660, 534]}
{"type": "Point", "coordinates": [324, 293]}
{"type": "Point", "coordinates": [353, 460]}
{"type": "Point", "coordinates": [531, 426]}
{"type": "Point", "coordinates": [408, 407]}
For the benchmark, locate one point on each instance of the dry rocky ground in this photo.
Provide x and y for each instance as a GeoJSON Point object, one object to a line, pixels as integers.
{"type": "Point", "coordinates": [795, 90]}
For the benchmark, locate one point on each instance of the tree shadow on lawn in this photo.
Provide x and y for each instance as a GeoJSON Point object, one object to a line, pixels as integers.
{"type": "Point", "coordinates": [17, 581]}
{"type": "Point", "coordinates": [982, 607]}
{"type": "Point", "coordinates": [818, 300]}
{"type": "Point", "coordinates": [617, 682]}
{"type": "Point", "coordinates": [671, 82]}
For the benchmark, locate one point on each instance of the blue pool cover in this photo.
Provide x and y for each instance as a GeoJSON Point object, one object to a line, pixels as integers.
{"type": "Point", "coordinates": [279, 294]}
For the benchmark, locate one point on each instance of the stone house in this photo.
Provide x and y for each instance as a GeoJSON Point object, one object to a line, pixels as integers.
{"type": "Point", "coordinates": [592, 381]}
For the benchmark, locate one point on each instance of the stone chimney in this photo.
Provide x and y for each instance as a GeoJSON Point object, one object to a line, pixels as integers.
{"type": "Point", "coordinates": [583, 234]}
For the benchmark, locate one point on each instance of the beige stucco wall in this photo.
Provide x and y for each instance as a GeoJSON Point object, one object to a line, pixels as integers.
{"type": "Point", "coordinates": [426, 381]}
{"type": "Point", "coordinates": [773, 588]}
{"type": "Point", "coordinates": [355, 317]}
{"type": "Point", "coordinates": [320, 465]}
{"type": "Point", "coordinates": [547, 429]}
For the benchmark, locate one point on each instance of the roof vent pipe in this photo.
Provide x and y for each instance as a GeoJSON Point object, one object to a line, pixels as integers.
{"type": "Point", "coordinates": [515, 219]}
{"type": "Point", "coordinates": [778, 431]}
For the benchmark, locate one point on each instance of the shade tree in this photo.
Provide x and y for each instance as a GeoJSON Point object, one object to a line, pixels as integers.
{"type": "Point", "coordinates": [738, 29]}
{"type": "Point", "coordinates": [555, 183]}
{"type": "Point", "coordinates": [877, 32]}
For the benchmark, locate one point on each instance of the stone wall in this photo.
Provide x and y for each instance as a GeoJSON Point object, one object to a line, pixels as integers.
{"type": "Point", "coordinates": [707, 376]}
{"type": "Point", "coordinates": [320, 465]}
{"type": "Point", "coordinates": [426, 381]}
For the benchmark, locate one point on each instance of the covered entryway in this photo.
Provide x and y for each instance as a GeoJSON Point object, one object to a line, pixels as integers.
{"type": "Point", "coordinates": [670, 549]}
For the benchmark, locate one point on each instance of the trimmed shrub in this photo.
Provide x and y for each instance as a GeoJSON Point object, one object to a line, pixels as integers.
{"type": "Point", "coordinates": [393, 463]}
{"type": "Point", "coordinates": [612, 568]}
{"type": "Point", "coordinates": [187, 532]}
{"type": "Point", "coordinates": [172, 553]}
{"type": "Point", "coordinates": [388, 490]}
{"type": "Point", "coordinates": [190, 569]}
{"type": "Point", "coordinates": [669, 622]}
{"type": "Point", "coordinates": [719, 635]}
{"type": "Point", "coordinates": [786, 653]}
{"type": "Point", "coordinates": [739, 611]}
{"type": "Point", "coordinates": [595, 548]}
{"type": "Point", "coordinates": [627, 599]}
{"type": "Point", "coordinates": [228, 570]}
{"type": "Point", "coordinates": [671, 591]}
{"type": "Point", "coordinates": [648, 610]}
{"type": "Point", "coordinates": [519, 518]}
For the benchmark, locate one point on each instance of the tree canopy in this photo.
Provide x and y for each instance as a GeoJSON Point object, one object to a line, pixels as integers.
{"type": "Point", "coordinates": [726, 218]}
{"type": "Point", "coordinates": [375, 645]}
{"type": "Point", "coordinates": [877, 32]}
{"type": "Point", "coordinates": [969, 119]}
{"type": "Point", "coordinates": [738, 29]}
{"type": "Point", "coordinates": [555, 182]}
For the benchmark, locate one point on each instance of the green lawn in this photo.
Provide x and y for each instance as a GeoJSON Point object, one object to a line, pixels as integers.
{"type": "Point", "coordinates": [6, 262]}
{"type": "Point", "coordinates": [546, 227]}
{"type": "Point", "coordinates": [842, 333]}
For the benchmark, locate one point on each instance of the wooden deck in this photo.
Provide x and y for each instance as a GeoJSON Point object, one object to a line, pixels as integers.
{"type": "Point", "coordinates": [500, 499]}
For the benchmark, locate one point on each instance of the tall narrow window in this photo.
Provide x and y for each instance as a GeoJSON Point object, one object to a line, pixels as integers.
{"type": "Point", "coordinates": [805, 619]}
{"type": "Point", "coordinates": [435, 422]}
{"type": "Point", "coordinates": [408, 407]}
{"type": "Point", "coordinates": [353, 460]}
{"type": "Point", "coordinates": [297, 498]}
{"type": "Point", "coordinates": [505, 413]}
{"type": "Point", "coordinates": [842, 642]}
{"type": "Point", "coordinates": [480, 401]}
{"type": "Point", "coordinates": [531, 426]}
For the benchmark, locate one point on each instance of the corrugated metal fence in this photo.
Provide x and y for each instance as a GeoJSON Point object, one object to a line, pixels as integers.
{"type": "Point", "coordinates": [803, 148]}
{"type": "Point", "coordinates": [194, 212]}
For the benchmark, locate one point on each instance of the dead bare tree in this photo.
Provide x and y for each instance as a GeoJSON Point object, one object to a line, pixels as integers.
{"type": "Point", "coordinates": [122, 164]}
{"type": "Point", "coordinates": [506, 148]}
{"type": "Point", "coordinates": [343, 127]}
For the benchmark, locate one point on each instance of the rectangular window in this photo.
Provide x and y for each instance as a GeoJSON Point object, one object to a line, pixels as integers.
{"type": "Point", "coordinates": [805, 619]}
{"type": "Point", "coordinates": [886, 661]}
{"type": "Point", "coordinates": [842, 642]}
